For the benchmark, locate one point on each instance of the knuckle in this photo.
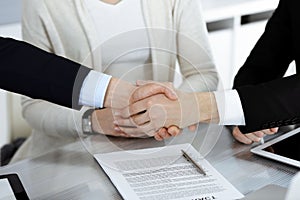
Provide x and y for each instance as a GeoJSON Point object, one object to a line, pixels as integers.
{"type": "Point", "coordinates": [149, 103]}
{"type": "Point", "coordinates": [248, 141]}
{"type": "Point", "coordinates": [256, 139]}
{"type": "Point", "coordinates": [136, 121]}
{"type": "Point", "coordinates": [259, 134]}
{"type": "Point", "coordinates": [235, 134]}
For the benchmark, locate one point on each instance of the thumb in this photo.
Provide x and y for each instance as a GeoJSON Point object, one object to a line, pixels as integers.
{"type": "Point", "coordinates": [151, 89]}
{"type": "Point", "coordinates": [274, 130]}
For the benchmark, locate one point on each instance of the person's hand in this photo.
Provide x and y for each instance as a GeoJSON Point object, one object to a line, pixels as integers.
{"type": "Point", "coordinates": [154, 112]}
{"type": "Point", "coordinates": [102, 122]}
{"type": "Point", "coordinates": [172, 131]}
{"type": "Point", "coordinates": [153, 88]}
{"type": "Point", "coordinates": [118, 94]}
{"type": "Point", "coordinates": [121, 93]}
{"type": "Point", "coordinates": [165, 133]}
{"type": "Point", "coordinates": [169, 91]}
{"type": "Point", "coordinates": [252, 137]}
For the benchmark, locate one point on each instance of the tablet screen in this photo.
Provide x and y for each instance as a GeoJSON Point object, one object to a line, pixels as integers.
{"type": "Point", "coordinates": [6, 190]}
{"type": "Point", "coordinates": [289, 147]}
{"type": "Point", "coordinates": [11, 187]}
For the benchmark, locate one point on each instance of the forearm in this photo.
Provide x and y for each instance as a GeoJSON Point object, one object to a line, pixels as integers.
{"type": "Point", "coordinates": [278, 104]}
{"type": "Point", "coordinates": [51, 119]}
{"type": "Point", "coordinates": [267, 60]}
{"type": "Point", "coordinates": [207, 107]}
{"type": "Point", "coordinates": [40, 75]}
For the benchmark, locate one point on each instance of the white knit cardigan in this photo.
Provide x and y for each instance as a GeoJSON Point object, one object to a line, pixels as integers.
{"type": "Point", "coordinates": [176, 31]}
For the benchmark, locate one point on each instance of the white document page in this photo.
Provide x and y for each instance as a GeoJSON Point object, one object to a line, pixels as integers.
{"type": "Point", "coordinates": [6, 193]}
{"type": "Point", "coordinates": [163, 173]}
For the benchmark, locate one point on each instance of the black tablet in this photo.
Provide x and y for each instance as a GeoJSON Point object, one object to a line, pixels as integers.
{"type": "Point", "coordinates": [285, 148]}
{"type": "Point", "coordinates": [11, 187]}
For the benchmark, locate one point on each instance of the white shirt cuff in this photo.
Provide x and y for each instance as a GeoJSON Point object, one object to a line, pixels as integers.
{"type": "Point", "coordinates": [230, 108]}
{"type": "Point", "coordinates": [94, 89]}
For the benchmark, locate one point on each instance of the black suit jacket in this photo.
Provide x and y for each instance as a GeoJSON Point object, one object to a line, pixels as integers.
{"type": "Point", "coordinates": [269, 100]}
{"type": "Point", "coordinates": [27, 70]}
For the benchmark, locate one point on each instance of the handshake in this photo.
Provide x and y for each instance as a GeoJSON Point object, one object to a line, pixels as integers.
{"type": "Point", "coordinates": [151, 109]}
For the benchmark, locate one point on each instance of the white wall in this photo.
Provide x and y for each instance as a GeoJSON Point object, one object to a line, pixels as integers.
{"type": "Point", "coordinates": [232, 40]}
{"type": "Point", "coordinates": [232, 46]}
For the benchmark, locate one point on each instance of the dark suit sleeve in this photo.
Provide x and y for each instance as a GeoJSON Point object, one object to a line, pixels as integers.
{"type": "Point", "coordinates": [27, 70]}
{"type": "Point", "coordinates": [273, 52]}
{"type": "Point", "coordinates": [267, 99]}
{"type": "Point", "coordinates": [272, 104]}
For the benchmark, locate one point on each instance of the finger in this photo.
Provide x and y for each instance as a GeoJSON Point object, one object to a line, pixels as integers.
{"type": "Point", "coordinates": [139, 131]}
{"type": "Point", "coordinates": [267, 132]}
{"type": "Point", "coordinates": [270, 131]}
{"type": "Point", "coordinates": [253, 137]}
{"type": "Point", "coordinates": [160, 130]}
{"type": "Point", "coordinates": [259, 134]}
{"type": "Point", "coordinates": [157, 134]}
{"type": "Point", "coordinates": [174, 130]}
{"type": "Point", "coordinates": [157, 137]}
{"type": "Point", "coordinates": [149, 128]}
{"type": "Point", "coordinates": [124, 122]}
{"type": "Point", "coordinates": [151, 89]}
{"type": "Point", "coordinates": [192, 128]}
{"type": "Point", "coordinates": [134, 121]}
{"type": "Point", "coordinates": [131, 132]}
{"type": "Point", "coordinates": [117, 134]}
{"type": "Point", "coordinates": [239, 136]}
{"type": "Point", "coordinates": [141, 119]}
{"type": "Point", "coordinates": [275, 130]}
{"type": "Point", "coordinates": [133, 109]}
{"type": "Point", "coordinates": [164, 134]}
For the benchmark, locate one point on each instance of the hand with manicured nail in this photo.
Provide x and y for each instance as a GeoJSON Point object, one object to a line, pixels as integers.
{"type": "Point", "coordinates": [249, 138]}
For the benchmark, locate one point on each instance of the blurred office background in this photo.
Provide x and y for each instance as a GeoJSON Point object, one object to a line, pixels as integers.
{"type": "Point", "coordinates": [234, 27]}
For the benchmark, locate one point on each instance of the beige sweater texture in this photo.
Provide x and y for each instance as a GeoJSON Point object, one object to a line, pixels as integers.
{"type": "Point", "coordinates": [177, 32]}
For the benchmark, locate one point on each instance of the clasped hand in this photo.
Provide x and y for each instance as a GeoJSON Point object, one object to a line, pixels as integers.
{"type": "Point", "coordinates": [154, 109]}
{"type": "Point", "coordinates": [157, 109]}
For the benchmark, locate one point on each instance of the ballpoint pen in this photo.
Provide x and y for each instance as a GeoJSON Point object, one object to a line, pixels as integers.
{"type": "Point", "coordinates": [188, 158]}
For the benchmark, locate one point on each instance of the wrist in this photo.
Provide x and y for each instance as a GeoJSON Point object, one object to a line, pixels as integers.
{"type": "Point", "coordinates": [87, 122]}
{"type": "Point", "coordinates": [189, 110]}
{"type": "Point", "coordinates": [95, 123]}
{"type": "Point", "coordinates": [109, 92]}
{"type": "Point", "coordinates": [118, 93]}
{"type": "Point", "coordinates": [208, 107]}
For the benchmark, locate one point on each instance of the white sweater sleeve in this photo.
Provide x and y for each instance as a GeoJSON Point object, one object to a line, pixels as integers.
{"type": "Point", "coordinates": [41, 115]}
{"type": "Point", "coordinates": [194, 51]}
